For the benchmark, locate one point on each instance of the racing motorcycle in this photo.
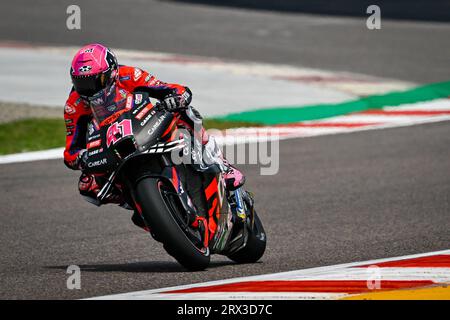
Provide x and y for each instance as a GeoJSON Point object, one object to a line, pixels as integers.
{"type": "Point", "coordinates": [186, 207]}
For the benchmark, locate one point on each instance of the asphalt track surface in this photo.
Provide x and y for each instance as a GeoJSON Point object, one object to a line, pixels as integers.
{"type": "Point", "coordinates": [336, 199]}
{"type": "Point", "coordinates": [406, 50]}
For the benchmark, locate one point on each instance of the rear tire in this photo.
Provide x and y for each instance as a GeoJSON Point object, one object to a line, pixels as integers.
{"type": "Point", "coordinates": [158, 215]}
{"type": "Point", "coordinates": [255, 247]}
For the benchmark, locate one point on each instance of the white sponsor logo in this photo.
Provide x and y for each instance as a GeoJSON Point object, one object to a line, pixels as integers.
{"type": "Point", "coordinates": [85, 69]}
{"type": "Point", "coordinates": [147, 118]}
{"type": "Point", "coordinates": [156, 124]}
{"type": "Point", "coordinates": [136, 110]}
{"type": "Point", "coordinates": [97, 136]}
{"type": "Point", "coordinates": [97, 163]}
{"type": "Point", "coordinates": [137, 73]}
{"type": "Point", "coordinates": [94, 152]}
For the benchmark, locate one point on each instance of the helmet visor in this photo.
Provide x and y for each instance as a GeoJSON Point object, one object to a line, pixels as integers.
{"type": "Point", "coordinates": [90, 85]}
{"type": "Point", "coordinates": [104, 103]}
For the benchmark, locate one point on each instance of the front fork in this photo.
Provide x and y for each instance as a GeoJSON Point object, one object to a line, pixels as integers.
{"type": "Point", "coordinates": [173, 176]}
{"type": "Point", "coordinates": [237, 203]}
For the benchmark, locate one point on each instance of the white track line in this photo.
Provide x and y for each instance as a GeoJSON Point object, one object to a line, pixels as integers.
{"type": "Point", "coordinates": [433, 105]}
{"type": "Point", "coordinates": [263, 134]}
{"type": "Point", "coordinates": [236, 296]}
{"type": "Point", "coordinates": [340, 271]}
{"type": "Point", "coordinates": [33, 156]}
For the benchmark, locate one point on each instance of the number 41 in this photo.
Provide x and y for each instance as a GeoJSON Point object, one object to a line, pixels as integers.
{"type": "Point", "coordinates": [118, 130]}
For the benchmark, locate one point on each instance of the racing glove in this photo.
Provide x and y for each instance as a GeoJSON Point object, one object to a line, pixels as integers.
{"type": "Point", "coordinates": [81, 160]}
{"type": "Point", "coordinates": [177, 101]}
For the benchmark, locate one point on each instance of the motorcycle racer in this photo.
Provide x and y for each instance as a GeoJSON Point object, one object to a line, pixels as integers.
{"type": "Point", "coordinates": [99, 82]}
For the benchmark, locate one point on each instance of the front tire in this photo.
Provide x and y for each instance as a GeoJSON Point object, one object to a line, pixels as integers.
{"type": "Point", "coordinates": [159, 215]}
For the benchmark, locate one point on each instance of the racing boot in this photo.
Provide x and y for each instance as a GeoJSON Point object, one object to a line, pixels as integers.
{"type": "Point", "coordinates": [89, 187]}
{"type": "Point", "coordinates": [234, 178]}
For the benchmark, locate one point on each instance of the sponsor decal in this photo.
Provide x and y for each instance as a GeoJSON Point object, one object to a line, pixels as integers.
{"type": "Point", "coordinates": [154, 82]}
{"type": "Point", "coordinates": [111, 108]}
{"type": "Point", "coordinates": [70, 127]}
{"type": "Point", "coordinates": [94, 144]}
{"type": "Point", "coordinates": [138, 98]}
{"type": "Point", "coordinates": [97, 163]}
{"type": "Point", "coordinates": [77, 102]}
{"type": "Point", "coordinates": [68, 121]}
{"type": "Point", "coordinates": [156, 124]}
{"type": "Point", "coordinates": [118, 130]}
{"type": "Point", "coordinates": [123, 93]}
{"type": "Point", "coordinates": [84, 69]}
{"type": "Point", "coordinates": [112, 118]}
{"type": "Point", "coordinates": [144, 112]}
{"type": "Point", "coordinates": [69, 133]}
{"type": "Point", "coordinates": [98, 101]}
{"type": "Point", "coordinates": [69, 109]}
{"type": "Point", "coordinates": [94, 152]}
{"type": "Point", "coordinates": [124, 78]}
{"type": "Point", "coordinates": [147, 118]}
{"type": "Point", "coordinates": [186, 95]}
{"type": "Point", "coordinates": [137, 109]}
{"type": "Point", "coordinates": [129, 102]}
{"type": "Point", "coordinates": [137, 74]}
{"type": "Point", "coordinates": [147, 78]}
{"type": "Point", "coordinates": [91, 129]}
{"type": "Point", "coordinates": [94, 137]}
{"type": "Point", "coordinates": [90, 50]}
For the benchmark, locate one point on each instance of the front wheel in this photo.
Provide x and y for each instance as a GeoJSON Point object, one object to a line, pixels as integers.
{"type": "Point", "coordinates": [167, 221]}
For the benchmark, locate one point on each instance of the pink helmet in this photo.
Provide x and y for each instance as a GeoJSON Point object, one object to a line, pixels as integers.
{"type": "Point", "coordinates": [94, 68]}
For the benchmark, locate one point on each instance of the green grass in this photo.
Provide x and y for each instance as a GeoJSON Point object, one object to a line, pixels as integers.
{"type": "Point", "coordinates": [31, 135]}
{"type": "Point", "coordinates": [40, 134]}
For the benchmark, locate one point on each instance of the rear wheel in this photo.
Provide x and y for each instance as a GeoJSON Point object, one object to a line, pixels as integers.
{"type": "Point", "coordinates": [255, 247]}
{"type": "Point", "coordinates": [170, 225]}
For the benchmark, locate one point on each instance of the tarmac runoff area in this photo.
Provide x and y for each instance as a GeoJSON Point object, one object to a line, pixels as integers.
{"type": "Point", "coordinates": [39, 76]}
